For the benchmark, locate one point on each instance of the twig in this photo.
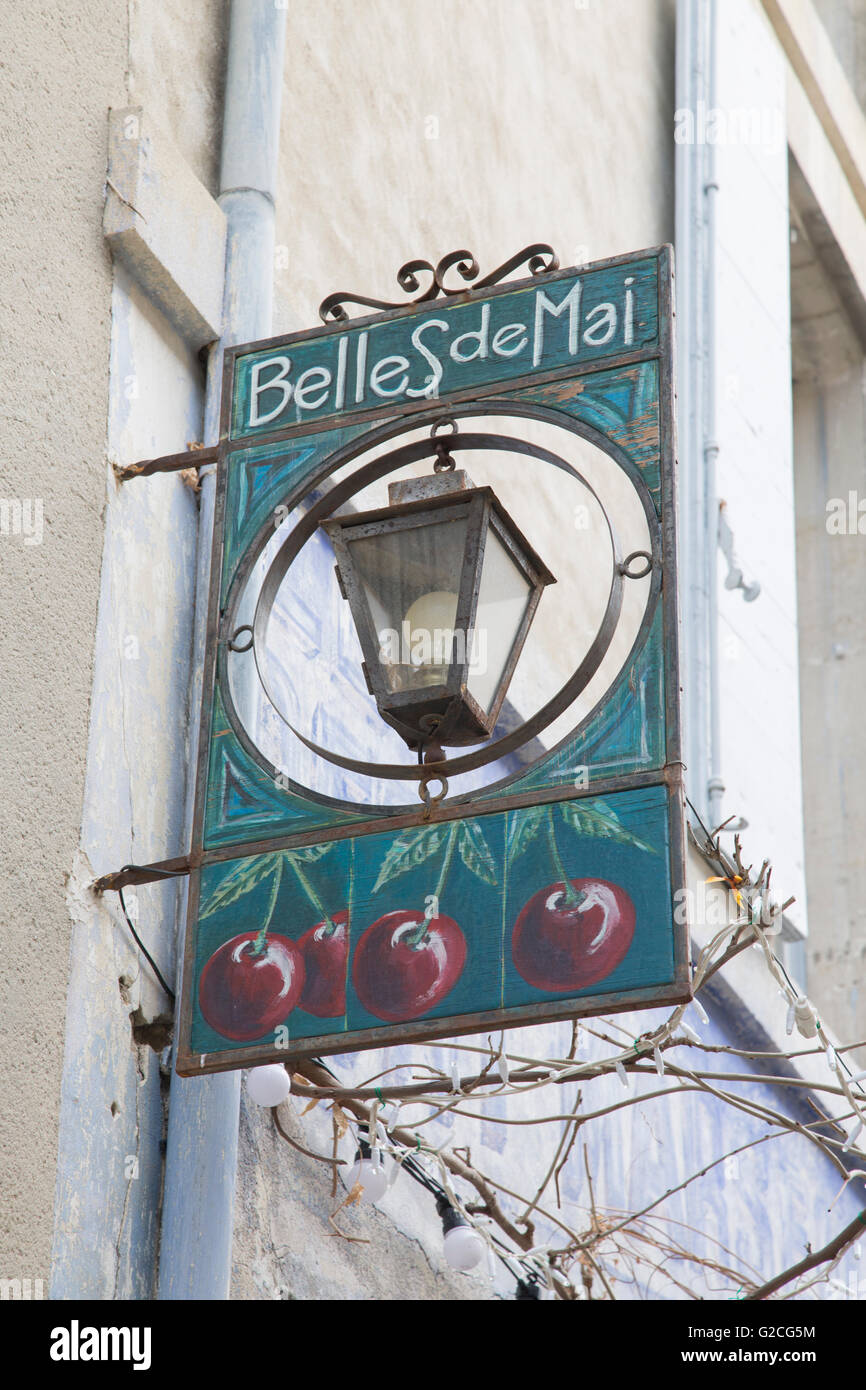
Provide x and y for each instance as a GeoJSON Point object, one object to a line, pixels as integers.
{"type": "Point", "coordinates": [853, 1231]}
{"type": "Point", "coordinates": [321, 1158]}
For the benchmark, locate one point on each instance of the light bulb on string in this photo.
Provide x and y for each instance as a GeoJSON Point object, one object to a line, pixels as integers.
{"type": "Point", "coordinates": [369, 1172]}
{"type": "Point", "coordinates": [464, 1247]}
{"type": "Point", "coordinates": [269, 1085]}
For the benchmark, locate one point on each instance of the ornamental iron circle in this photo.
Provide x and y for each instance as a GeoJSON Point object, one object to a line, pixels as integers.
{"type": "Point", "coordinates": [375, 470]}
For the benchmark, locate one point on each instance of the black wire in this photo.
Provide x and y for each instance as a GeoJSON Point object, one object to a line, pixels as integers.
{"type": "Point", "coordinates": [699, 819]}
{"type": "Point", "coordinates": [415, 1171]}
{"type": "Point", "coordinates": [151, 869]}
{"type": "Point", "coordinates": [528, 1289]}
{"type": "Point", "coordinates": [141, 946]}
{"type": "Point", "coordinates": [326, 1068]}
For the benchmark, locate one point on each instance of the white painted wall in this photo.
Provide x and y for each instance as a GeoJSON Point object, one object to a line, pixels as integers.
{"type": "Point", "coordinates": [111, 1124]}
{"type": "Point", "coordinates": [758, 659]}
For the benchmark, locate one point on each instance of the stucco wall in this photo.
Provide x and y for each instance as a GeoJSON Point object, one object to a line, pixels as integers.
{"type": "Point", "coordinates": [411, 130]}
{"type": "Point", "coordinates": [62, 68]}
{"type": "Point", "coordinates": [829, 452]}
{"type": "Point", "coordinates": [830, 433]}
{"type": "Point", "coordinates": [177, 70]}
{"type": "Point", "coordinates": [116, 1068]}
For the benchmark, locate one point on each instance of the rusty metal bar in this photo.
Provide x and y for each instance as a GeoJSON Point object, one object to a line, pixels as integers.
{"type": "Point", "coordinates": [169, 463]}
{"type": "Point", "coordinates": [132, 874]}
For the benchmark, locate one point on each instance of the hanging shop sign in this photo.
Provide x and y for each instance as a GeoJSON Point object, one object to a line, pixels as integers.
{"type": "Point", "coordinates": [329, 916]}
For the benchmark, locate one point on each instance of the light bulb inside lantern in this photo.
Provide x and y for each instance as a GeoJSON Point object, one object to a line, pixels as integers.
{"type": "Point", "coordinates": [373, 1178]}
{"type": "Point", "coordinates": [269, 1085]}
{"type": "Point", "coordinates": [429, 622]}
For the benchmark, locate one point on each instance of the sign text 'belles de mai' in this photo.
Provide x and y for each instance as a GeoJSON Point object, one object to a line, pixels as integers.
{"type": "Point", "coordinates": [457, 346]}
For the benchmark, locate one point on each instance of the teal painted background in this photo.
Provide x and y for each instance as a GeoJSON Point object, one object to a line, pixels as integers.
{"type": "Point", "coordinates": [498, 863]}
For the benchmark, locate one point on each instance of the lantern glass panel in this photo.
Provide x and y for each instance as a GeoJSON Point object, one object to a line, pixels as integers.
{"type": "Point", "coordinates": [503, 597]}
{"type": "Point", "coordinates": [411, 578]}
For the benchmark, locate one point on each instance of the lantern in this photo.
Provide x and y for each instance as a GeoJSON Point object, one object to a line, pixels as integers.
{"type": "Point", "coordinates": [442, 588]}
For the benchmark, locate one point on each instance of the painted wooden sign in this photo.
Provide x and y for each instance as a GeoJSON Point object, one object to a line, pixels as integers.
{"type": "Point", "coordinates": [321, 923]}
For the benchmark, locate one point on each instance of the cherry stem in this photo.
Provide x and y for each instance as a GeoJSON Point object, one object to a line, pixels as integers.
{"type": "Point", "coordinates": [415, 938]}
{"type": "Point", "coordinates": [262, 938]}
{"type": "Point", "coordinates": [315, 900]}
{"type": "Point", "coordinates": [571, 894]}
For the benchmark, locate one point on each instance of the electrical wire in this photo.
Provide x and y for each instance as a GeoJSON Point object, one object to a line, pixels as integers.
{"type": "Point", "coordinates": [141, 946]}
{"type": "Point", "coordinates": [411, 1165]}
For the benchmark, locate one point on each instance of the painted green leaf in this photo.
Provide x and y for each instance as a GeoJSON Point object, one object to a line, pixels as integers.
{"type": "Point", "coordinates": [408, 851]}
{"type": "Point", "coordinates": [523, 826]}
{"type": "Point", "coordinates": [475, 853]}
{"type": "Point", "coordinates": [308, 854]}
{"type": "Point", "coordinates": [599, 821]}
{"type": "Point", "coordinates": [240, 880]}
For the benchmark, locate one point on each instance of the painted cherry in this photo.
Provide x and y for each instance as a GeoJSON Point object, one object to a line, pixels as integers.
{"type": "Point", "coordinates": [405, 964]}
{"type": "Point", "coordinates": [250, 985]}
{"type": "Point", "coordinates": [560, 944]}
{"type": "Point", "coordinates": [325, 949]}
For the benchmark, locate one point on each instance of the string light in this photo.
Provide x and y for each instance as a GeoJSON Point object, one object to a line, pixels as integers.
{"type": "Point", "coordinates": [805, 1017]}
{"type": "Point", "coordinates": [464, 1246]}
{"type": "Point", "coordinates": [269, 1085]}
{"type": "Point", "coordinates": [370, 1173]}
{"type": "Point", "coordinates": [461, 1239]}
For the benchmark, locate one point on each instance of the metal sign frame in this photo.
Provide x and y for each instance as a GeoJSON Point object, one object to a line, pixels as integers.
{"type": "Point", "coordinates": [495, 397]}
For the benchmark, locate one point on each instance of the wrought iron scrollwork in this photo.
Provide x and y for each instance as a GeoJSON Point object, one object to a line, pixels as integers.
{"type": "Point", "coordinates": [539, 259]}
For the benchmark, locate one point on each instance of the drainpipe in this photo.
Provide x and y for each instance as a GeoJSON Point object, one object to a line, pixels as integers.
{"type": "Point", "coordinates": [715, 784]}
{"type": "Point", "coordinates": [697, 192]}
{"type": "Point", "coordinates": [201, 1156]}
